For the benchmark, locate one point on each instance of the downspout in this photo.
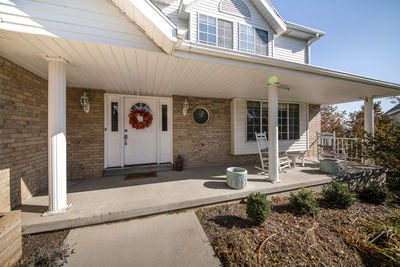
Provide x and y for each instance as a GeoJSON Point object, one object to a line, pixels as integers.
{"type": "Point", "coordinates": [180, 37]}
{"type": "Point", "coordinates": [309, 42]}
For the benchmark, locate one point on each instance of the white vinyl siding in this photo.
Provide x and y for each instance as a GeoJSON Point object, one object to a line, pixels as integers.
{"type": "Point", "coordinates": [290, 49]}
{"type": "Point", "coordinates": [240, 144]}
{"type": "Point", "coordinates": [93, 20]}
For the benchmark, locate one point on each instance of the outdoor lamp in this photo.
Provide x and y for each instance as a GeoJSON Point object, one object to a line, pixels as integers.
{"type": "Point", "coordinates": [85, 102]}
{"type": "Point", "coordinates": [185, 107]}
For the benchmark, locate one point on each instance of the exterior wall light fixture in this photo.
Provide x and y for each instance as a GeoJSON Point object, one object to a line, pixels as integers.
{"type": "Point", "coordinates": [85, 103]}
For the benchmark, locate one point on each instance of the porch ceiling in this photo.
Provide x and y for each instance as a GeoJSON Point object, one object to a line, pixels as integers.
{"type": "Point", "coordinates": [132, 71]}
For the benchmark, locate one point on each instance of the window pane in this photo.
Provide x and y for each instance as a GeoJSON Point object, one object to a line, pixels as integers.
{"type": "Point", "coordinates": [164, 117]}
{"type": "Point", "coordinates": [294, 121]}
{"type": "Point", "coordinates": [246, 38]}
{"type": "Point", "coordinates": [225, 34]}
{"type": "Point", "coordinates": [261, 42]}
{"type": "Point", "coordinates": [282, 121]}
{"type": "Point", "coordinates": [264, 114]}
{"type": "Point", "coordinates": [253, 119]}
{"type": "Point", "coordinates": [207, 30]}
{"type": "Point", "coordinates": [114, 116]}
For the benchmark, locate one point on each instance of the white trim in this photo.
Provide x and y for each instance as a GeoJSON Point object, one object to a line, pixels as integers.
{"type": "Point", "coordinates": [288, 117]}
{"type": "Point", "coordinates": [105, 132]}
{"type": "Point", "coordinates": [308, 126]}
{"type": "Point", "coordinates": [199, 51]}
{"type": "Point", "coordinates": [121, 101]}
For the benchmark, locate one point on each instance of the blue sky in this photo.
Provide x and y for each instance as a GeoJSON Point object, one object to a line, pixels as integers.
{"type": "Point", "coordinates": [362, 36]}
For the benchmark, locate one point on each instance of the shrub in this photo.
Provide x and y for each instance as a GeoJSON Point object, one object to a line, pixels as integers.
{"type": "Point", "coordinates": [339, 194]}
{"type": "Point", "coordinates": [304, 202]}
{"type": "Point", "coordinates": [257, 208]}
{"type": "Point", "coordinates": [375, 193]}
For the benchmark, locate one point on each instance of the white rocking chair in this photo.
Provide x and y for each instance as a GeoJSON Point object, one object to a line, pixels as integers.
{"type": "Point", "coordinates": [263, 151]}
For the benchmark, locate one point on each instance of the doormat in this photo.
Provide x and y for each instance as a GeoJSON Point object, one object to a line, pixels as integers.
{"type": "Point", "coordinates": [140, 175]}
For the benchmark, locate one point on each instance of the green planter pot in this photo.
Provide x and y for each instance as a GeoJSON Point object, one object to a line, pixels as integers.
{"type": "Point", "coordinates": [330, 166]}
{"type": "Point", "coordinates": [236, 177]}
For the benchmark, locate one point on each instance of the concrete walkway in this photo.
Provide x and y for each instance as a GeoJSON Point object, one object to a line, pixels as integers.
{"type": "Point", "coordinates": [107, 199]}
{"type": "Point", "coordinates": [165, 240]}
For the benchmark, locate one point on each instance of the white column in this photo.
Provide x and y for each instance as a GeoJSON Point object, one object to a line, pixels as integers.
{"type": "Point", "coordinates": [273, 143]}
{"type": "Point", "coordinates": [369, 120]}
{"type": "Point", "coordinates": [369, 115]}
{"type": "Point", "coordinates": [57, 146]}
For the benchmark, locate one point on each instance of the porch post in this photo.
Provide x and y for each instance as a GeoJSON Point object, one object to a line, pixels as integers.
{"type": "Point", "coordinates": [369, 119]}
{"type": "Point", "coordinates": [57, 147]}
{"type": "Point", "coordinates": [273, 149]}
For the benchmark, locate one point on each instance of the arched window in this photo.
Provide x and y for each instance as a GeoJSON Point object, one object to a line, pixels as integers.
{"type": "Point", "coordinates": [141, 105]}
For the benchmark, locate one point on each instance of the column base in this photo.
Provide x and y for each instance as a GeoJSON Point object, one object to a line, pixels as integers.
{"type": "Point", "coordinates": [56, 212]}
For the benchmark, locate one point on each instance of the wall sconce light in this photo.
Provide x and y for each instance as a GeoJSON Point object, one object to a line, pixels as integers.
{"type": "Point", "coordinates": [85, 102]}
{"type": "Point", "coordinates": [185, 107]}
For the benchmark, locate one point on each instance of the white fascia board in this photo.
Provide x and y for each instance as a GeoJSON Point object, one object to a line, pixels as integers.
{"type": "Point", "coordinates": [152, 21]}
{"type": "Point", "coordinates": [242, 59]}
{"type": "Point", "coordinates": [268, 11]}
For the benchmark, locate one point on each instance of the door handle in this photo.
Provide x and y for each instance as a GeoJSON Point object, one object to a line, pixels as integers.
{"type": "Point", "coordinates": [125, 139]}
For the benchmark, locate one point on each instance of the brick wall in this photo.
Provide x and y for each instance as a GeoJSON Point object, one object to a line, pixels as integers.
{"type": "Point", "coordinates": [314, 119]}
{"type": "Point", "coordinates": [205, 145]}
{"type": "Point", "coordinates": [85, 135]}
{"type": "Point", "coordinates": [23, 134]}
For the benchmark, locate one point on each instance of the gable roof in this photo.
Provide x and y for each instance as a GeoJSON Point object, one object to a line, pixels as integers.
{"type": "Point", "coordinates": [393, 110]}
{"type": "Point", "coordinates": [153, 22]}
{"type": "Point", "coordinates": [265, 8]}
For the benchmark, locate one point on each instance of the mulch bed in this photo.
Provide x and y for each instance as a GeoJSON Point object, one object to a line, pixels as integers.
{"type": "Point", "coordinates": [293, 240]}
{"type": "Point", "coordinates": [41, 244]}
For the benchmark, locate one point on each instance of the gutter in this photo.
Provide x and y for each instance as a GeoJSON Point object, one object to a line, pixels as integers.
{"type": "Point", "coordinates": [309, 42]}
{"type": "Point", "coordinates": [267, 63]}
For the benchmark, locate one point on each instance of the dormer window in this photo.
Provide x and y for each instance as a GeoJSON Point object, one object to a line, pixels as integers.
{"type": "Point", "coordinates": [253, 40]}
{"type": "Point", "coordinates": [225, 33]}
{"type": "Point", "coordinates": [207, 30]}
{"type": "Point", "coordinates": [246, 38]}
{"type": "Point", "coordinates": [261, 42]}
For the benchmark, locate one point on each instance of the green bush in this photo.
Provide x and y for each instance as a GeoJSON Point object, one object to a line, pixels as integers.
{"type": "Point", "coordinates": [304, 202]}
{"type": "Point", "coordinates": [339, 194]}
{"type": "Point", "coordinates": [375, 193]}
{"type": "Point", "coordinates": [258, 208]}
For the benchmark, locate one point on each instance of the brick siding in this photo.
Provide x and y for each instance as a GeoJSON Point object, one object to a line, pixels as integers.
{"type": "Point", "coordinates": [85, 134]}
{"type": "Point", "coordinates": [23, 134]}
{"type": "Point", "coordinates": [208, 145]}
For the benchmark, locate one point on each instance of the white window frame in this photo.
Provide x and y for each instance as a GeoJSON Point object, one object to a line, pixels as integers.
{"type": "Point", "coordinates": [254, 39]}
{"type": "Point", "coordinates": [233, 33]}
{"type": "Point", "coordinates": [216, 31]}
{"type": "Point", "coordinates": [288, 118]}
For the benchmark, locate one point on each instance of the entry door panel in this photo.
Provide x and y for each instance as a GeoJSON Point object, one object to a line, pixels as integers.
{"type": "Point", "coordinates": [140, 145]}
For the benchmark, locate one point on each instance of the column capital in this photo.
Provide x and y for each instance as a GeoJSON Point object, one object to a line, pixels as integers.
{"type": "Point", "coordinates": [58, 59]}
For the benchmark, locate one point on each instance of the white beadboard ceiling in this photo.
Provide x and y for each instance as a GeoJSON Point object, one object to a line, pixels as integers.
{"type": "Point", "coordinates": [129, 70]}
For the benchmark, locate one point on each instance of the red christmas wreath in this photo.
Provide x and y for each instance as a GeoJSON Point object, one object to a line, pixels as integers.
{"type": "Point", "coordinates": [145, 122]}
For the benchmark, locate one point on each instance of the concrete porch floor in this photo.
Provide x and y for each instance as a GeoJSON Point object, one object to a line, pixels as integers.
{"type": "Point", "coordinates": [107, 199]}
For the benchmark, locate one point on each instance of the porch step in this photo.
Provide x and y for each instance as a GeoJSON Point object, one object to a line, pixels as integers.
{"type": "Point", "coordinates": [138, 169]}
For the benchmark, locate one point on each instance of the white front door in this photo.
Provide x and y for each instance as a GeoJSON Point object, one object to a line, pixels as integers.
{"type": "Point", "coordinates": [140, 145]}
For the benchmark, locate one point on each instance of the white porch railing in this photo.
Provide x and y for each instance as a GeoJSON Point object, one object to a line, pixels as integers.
{"type": "Point", "coordinates": [330, 146]}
